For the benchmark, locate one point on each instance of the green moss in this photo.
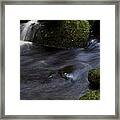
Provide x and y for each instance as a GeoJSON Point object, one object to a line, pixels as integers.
{"type": "Point", "coordinates": [91, 95]}
{"type": "Point", "coordinates": [94, 78]}
{"type": "Point", "coordinates": [63, 33]}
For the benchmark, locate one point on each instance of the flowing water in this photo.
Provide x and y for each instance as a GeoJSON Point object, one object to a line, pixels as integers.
{"type": "Point", "coordinates": [27, 30]}
{"type": "Point", "coordinates": [55, 74]}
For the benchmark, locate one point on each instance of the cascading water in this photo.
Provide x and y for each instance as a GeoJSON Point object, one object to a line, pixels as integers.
{"type": "Point", "coordinates": [49, 73]}
{"type": "Point", "coordinates": [27, 30]}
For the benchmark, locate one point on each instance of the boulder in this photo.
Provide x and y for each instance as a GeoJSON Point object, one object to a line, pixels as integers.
{"type": "Point", "coordinates": [63, 33]}
{"type": "Point", "coordinates": [94, 78]}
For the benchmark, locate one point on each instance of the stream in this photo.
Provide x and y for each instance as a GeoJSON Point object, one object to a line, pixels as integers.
{"type": "Point", "coordinates": [55, 74]}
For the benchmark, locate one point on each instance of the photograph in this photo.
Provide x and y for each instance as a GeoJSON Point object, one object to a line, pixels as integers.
{"type": "Point", "coordinates": [60, 54]}
{"type": "Point", "coordinates": [59, 59]}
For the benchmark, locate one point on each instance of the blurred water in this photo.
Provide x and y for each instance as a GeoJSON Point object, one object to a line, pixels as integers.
{"type": "Point", "coordinates": [27, 30]}
{"type": "Point", "coordinates": [54, 74]}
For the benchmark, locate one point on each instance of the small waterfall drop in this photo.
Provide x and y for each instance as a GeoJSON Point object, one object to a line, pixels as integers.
{"type": "Point", "coordinates": [27, 30]}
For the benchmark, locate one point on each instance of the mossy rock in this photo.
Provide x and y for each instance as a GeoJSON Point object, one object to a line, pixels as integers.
{"type": "Point", "coordinates": [63, 33]}
{"type": "Point", "coordinates": [94, 78]}
{"type": "Point", "coordinates": [91, 95]}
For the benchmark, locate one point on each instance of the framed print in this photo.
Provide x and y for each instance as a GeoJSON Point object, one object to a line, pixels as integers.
{"type": "Point", "coordinates": [59, 59]}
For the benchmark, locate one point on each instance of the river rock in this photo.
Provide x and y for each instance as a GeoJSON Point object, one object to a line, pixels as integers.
{"type": "Point", "coordinates": [63, 33]}
{"type": "Point", "coordinates": [94, 78]}
{"type": "Point", "coordinates": [66, 71]}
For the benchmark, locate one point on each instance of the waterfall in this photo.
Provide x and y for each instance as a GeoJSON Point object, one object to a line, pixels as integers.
{"type": "Point", "coordinates": [27, 30]}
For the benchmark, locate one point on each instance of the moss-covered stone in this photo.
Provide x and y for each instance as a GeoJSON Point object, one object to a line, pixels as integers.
{"type": "Point", "coordinates": [91, 95]}
{"type": "Point", "coordinates": [94, 78]}
{"type": "Point", "coordinates": [63, 33]}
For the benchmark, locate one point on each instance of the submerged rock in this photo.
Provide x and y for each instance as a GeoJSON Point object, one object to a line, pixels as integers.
{"type": "Point", "coordinates": [66, 71]}
{"type": "Point", "coordinates": [94, 78]}
{"type": "Point", "coordinates": [63, 33]}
